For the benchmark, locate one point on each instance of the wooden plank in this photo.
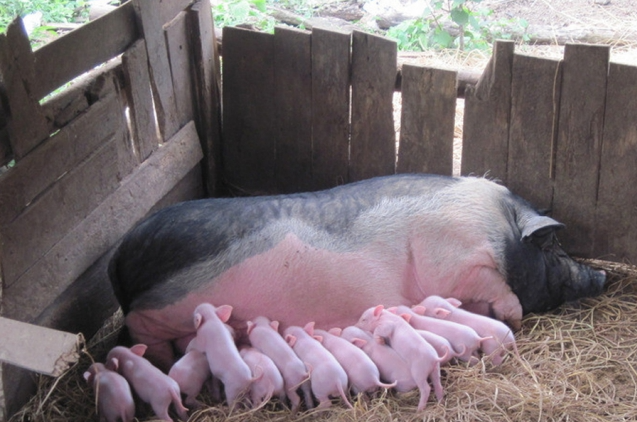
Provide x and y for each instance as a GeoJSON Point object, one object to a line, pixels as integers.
{"type": "Point", "coordinates": [57, 156]}
{"type": "Point", "coordinates": [69, 103]}
{"type": "Point", "coordinates": [616, 219]}
{"type": "Point", "coordinates": [75, 53]}
{"type": "Point", "coordinates": [86, 242]}
{"type": "Point", "coordinates": [38, 349]}
{"type": "Point", "coordinates": [535, 98]}
{"type": "Point", "coordinates": [69, 201]}
{"type": "Point", "coordinates": [248, 113]}
{"type": "Point", "coordinates": [161, 80]}
{"type": "Point", "coordinates": [208, 94]}
{"type": "Point", "coordinates": [487, 108]}
{"type": "Point", "coordinates": [330, 107]}
{"type": "Point", "coordinates": [293, 102]}
{"type": "Point", "coordinates": [140, 100]}
{"type": "Point", "coordinates": [373, 138]}
{"type": "Point", "coordinates": [427, 120]}
{"type": "Point", "coordinates": [579, 144]}
{"type": "Point", "coordinates": [26, 123]}
{"type": "Point", "coordinates": [169, 9]}
{"type": "Point", "coordinates": [179, 57]}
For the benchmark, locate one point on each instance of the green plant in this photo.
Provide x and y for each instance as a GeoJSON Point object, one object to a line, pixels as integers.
{"type": "Point", "coordinates": [235, 12]}
{"type": "Point", "coordinates": [52, 10]}
{"type": "Point", "coordinates": [453, 24]}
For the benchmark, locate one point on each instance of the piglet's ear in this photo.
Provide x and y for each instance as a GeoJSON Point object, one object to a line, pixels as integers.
{"type": "Point", "coordinates": [87, 376]}
{"type": "Point", "coordinates": [441, 313]}
{"type": "Point", "coordinates": [318, 338]}
{"type": "Point", "coordinates": [359, 342]}
{"type": "Point", "coordinates": [275, 325]}
{"type": "Point", "coordinates": [336, 331]}
{"type": "Point", "coordinates": [139, 349]}
{"type": "Point", "coordinates": [419, 309]}
{"type": "Point", "coordinates": [198, 319]}
{"type": "Point", "coordinates": [454, 302]}
{"type": "Point", "coordinates": [378, 310]}
{"type": "Point", "coordinates": [406, 317]}
{"type": "Point", "coordinates": [113, 364]}
{"type": "Point", "coordinates": [224, 312]}
{"type": "Point", "coordinates": [291, 340]}
{"type": "Point", "coordinates": [250, 325]}
{"type": "Point", "coordinates": [393, 310]}
{"type": "Point", "coordinates": [309, 328]}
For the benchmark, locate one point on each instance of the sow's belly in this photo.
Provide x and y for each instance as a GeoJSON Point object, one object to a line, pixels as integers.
{"type": "Point", "coordinates": [293, 283]}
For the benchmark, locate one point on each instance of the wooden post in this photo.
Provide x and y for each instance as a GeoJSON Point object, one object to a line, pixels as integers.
{"type": "Point", "coordinates": [485, 135]}
{"type": "Point", "coordinates": [373, 138]}
{"type": "Point", "coordinates": [427, 120]}
{"type": "Point", "coordinates": [330, 107]}
{"type": "Point", "coordinates": [579, 144]}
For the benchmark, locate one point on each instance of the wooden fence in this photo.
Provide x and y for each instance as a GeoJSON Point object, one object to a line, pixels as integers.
{"type": "Point", "coordinates": [92, 160]}
{"type": "Point", "coordinates": [309, 111]}
{"type": "Point", "coordinates": [301, 111]}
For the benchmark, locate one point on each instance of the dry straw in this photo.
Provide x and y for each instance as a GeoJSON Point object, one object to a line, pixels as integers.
{"type": "Point", "coordinates": [577, 363]}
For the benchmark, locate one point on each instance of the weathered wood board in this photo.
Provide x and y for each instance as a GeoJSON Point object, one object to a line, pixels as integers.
{"type": "Point", "coordinates": [249, 131]}
{"type": "Point", "coordinates": [485, 134]}
{"type": "Point", "coordinates": [75, 53]}
{"type": "Point", "coordinates": [207, 73]}
{"type": "Point", "coordinates": [87, 241]}
{"type": "Point", "coordinates": [150, 17]}
{"type": "Point", "coordinates": [38, 349]}
{"type": "Point", "coordinates": [138, 92]}
{"type": "Point", "coordinates": [427, 120]}
{"type": "Point", "coordinates": [373, 138]}
{"type": "Point", "coordinates": [177, 43]}
{"type": "Point", "coordinates": [535, 98]}
{"type": "Point", "coordinates": [616, 219]}
{"type": "Point", "coordinates": [330, 108]}
{"type": "Point", "coordinates": [579, 144]}
{"type": "Point", "coordinates": [293, 105]}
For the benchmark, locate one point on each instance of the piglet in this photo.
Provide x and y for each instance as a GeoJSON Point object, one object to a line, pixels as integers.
{"type": "Point", "coordinates": [464, 340]}
{"type": "Point", "coordinates": [421, 356]}
{"type": "Point", "coordinates": [390, 365]}
{"type": "Point", "coordinates": [150, 384]}
{"type": "Point", "coordinates": [112, 392]}
{"type": "Point", "coordinates": [498, 337]}
{"type": "Point", "coordinates": [191, 372]}
{"type": "Point", "coordinates": [268, 380]}
{"type": "Point", "coordinates": [215, 340]}
{"type": "Point", "coordinates": [443, 347]}
{"type": "Point", "coordinates": [328, 376]}
{"type": "Point", "coordinates": [264, 336]}
{"type": "Point", "coordinates": [362, 373]}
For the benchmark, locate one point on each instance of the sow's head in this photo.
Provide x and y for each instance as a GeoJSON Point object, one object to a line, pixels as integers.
{"type": "Point", "coordinates": [539, 272]}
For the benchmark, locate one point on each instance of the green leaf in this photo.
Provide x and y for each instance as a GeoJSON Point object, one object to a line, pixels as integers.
{"type": "Point", "coordinates": [443, 39]}
{"type": "Point", "coordinates": [460, 16]}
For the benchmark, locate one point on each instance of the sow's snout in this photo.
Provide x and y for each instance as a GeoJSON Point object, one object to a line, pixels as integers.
{"type": "Point", "coordinates": [551, 277]}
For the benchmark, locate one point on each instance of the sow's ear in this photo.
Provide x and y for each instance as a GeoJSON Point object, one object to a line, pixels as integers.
{"type": "Point", "coordinates": [538, 227]}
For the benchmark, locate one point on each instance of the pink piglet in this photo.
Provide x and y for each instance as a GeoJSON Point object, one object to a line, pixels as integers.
{"type": "Point", "coordinates": [268, 380]}
{"type": "Point", "coordinates": [148, 381]}
{"type": "Point", "coordinates": [112, 392]}
{"type": "Point", "coordinates": [191, 372]}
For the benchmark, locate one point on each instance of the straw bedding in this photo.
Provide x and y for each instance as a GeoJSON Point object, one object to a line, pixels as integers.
{"type": "Point", "coordinates": [577, 363]}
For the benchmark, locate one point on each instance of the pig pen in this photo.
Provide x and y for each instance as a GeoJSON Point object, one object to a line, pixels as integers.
{"type": "Point", "coordinates": [305, 111]}
{"type": "Point", "coordinates": [576, 363]}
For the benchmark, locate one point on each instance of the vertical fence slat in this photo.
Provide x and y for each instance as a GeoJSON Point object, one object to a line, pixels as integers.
{"type": "Point", "coordinates": [579, 143]}
{"type": "Point", "coordinates": [535, 91]}
{"type": "Point", "coordinates": [427, 120]}
{"type": "Point", "coordinates": [330, 107]}
{"type": "Point", "coordinates": [140, 100]}
{"type": "Point", "coordinates": [373, 139]}
{"type": "Point", "coordinates": [179, 58]}
{"type": "Point", "coordinates": [151, 22]}
{"type": "Point", "coordinates": [248, 111]}
{"type": "Point", "coordinates": [206, 68]}
{"type": "Point", "coordinates": [26, 123]}
{"type": "Point", "coordinates": [293, 101]}
{"type": "Point", "coordinates": [616, 223]}
{"type": "Point", "coordinates": [486, 117]}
